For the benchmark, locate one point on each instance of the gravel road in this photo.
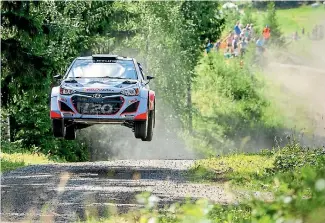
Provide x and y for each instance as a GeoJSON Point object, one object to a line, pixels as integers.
{"type": "Point", "coordinates": [64, 191]}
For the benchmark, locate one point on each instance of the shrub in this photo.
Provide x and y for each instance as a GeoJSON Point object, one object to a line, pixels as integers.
{"type": "Point", "coordinates": [295, 156]}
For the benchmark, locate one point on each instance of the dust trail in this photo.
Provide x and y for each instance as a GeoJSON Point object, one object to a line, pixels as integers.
{"type": "Point", "coordinates": [303, 87]}
{"type": "Point", "coordinates": [118, 142]}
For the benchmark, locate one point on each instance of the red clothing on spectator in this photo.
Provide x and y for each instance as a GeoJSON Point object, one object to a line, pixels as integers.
{"type": "Point", "coordinates": [266, 32]}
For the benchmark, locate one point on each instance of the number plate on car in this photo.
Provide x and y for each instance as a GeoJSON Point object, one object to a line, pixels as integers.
{"type": "Point", "coordinates": [94, 108]}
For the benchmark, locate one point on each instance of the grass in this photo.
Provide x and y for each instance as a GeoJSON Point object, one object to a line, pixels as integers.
{"type": "Point", "coordinates": [291, 20]}
{"type": "Point", "coordinates": [295, 19]}
{"type": "Point", "coordinates": [12, 161]}
{"type": "Point", "coordinates": [241, 170]}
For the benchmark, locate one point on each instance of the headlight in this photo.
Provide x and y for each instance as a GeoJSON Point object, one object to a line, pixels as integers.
{"type": "Point", "coordinates": [130, 91]}
{"type": "Point", "coordinates": [66, 91]}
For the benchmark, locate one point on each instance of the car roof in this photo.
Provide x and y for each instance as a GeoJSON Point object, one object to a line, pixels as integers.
{"type": "Point", "coordinates": [104, 55]}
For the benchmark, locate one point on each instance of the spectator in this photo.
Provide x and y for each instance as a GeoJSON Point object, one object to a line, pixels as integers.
{"type": "Point", "coordinates": [295, 36]}
{"type": "Point", "coordinates": [243, 47]}
{"type": "Point", "coordinates": [251, 29]}
{"type": "Point", "coordinates": [260, 45]}
{"type": "Point", "coordinates": [235, 45]}
{"type": "Point", "coordinates": [303, 31]}
{"type": "Point", "coordinates": [321, 32]}
{"type": "Point", "coordinates": [237, 29]}
{"type": "Point", "coordinates": [246, 32]}
{"type": "Point", "coordinates": [314, 32]}
{"type": "Point", "coordinates": [227, 53]}
{"type": "Point", "coordinates": [209, 46]}
{"type": "Point", "coordinates": [229, 39]}
{"type": "Point", "coordinates": [241, 37]}
{"type": "Point", "coordinates": [266, 33]}
{"type": "Point", "coordinates": [218, 45]}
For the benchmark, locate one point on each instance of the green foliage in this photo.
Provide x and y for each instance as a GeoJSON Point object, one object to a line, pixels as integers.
{"type": "Point", "coordinates": [300, 196]}
{"type": "Point", "coordinates": [294, 156]}
{"type": "Point", "coordinates": [248, 17]}
{"type": "Point", "coordinates": [9, 165]}
{"type": "Point", "coordinates": [39, 40]}
{"type": "Point", "coordinates": [231, 111]}
{"type": "Point", "coordinates": [231, 16]}
{"type": "Point", "coordinates": [272, 21]}
{"type": "Point", "coordinates": [12, 161]}
{"type": "Point", "coordinates": [166, 34]}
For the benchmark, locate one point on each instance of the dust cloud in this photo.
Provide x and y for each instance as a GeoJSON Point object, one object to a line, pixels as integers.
{"type": "Point", "coordinates": [108, 142]}
{"type": "Point", "coordinates": [300, 100]}
{"type": "Point", "coordinates": [302, 80]}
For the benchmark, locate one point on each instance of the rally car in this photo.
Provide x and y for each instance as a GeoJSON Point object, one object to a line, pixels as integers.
{"type": "Point", "coordinates": [103, 89]}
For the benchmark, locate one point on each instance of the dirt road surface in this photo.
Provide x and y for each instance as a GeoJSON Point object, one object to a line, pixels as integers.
{"type": "Point", "coordinates": [62, 192]}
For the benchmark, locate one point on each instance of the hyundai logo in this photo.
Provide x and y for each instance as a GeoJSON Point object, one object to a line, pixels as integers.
{"type": "Point", "coordinates": [97, 95]}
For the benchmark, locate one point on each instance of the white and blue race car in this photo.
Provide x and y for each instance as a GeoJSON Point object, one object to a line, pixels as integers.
{"type": "Point", "coordinates": [103, 89]}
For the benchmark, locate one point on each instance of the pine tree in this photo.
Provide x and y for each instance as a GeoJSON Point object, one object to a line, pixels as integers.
{"type": "Point", "coordinates": [272, 21]}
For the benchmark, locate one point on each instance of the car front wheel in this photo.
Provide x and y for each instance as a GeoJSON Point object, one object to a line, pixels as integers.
{"type": "Point", "coordinates": [140, 129]}
{"type": "Point", "coordinates": [151, 125]}
{"type": "Point", "coordinates": [57, 128]}
{"type": "Point", "coordinates": [70, 132]}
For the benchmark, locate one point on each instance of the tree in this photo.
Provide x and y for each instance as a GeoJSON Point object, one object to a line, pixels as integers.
{"type": "Point", "coordinates": [201, 21]}
{"type": "Point", "coordinates": [271, 20]}
{"type": "Point", "coordinates": [40, 39]}
{"type": "Point", "coordinates": [248, 16]}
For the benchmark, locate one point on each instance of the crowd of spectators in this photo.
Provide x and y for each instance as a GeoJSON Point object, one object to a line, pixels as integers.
{"type": "Point", "coordinates": [237, 41]}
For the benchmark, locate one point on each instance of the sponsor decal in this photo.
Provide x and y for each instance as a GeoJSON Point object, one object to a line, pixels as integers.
{"type": "Point", "coordinates": [99, 89]}
{"type": "Point", "coordinates": [97, 95]}
{"type": "Point", "coordinates": [128, 116]}
{"type": "Point", "coordinates": [104, 61]}
{"type": "Point", "coordinates": [132, 101]}
{"type": "Point", "coordinates": [63, 99]}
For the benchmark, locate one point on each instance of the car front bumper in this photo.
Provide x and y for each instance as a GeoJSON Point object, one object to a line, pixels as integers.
{"type": "Point", "coordinates": [140, 113]}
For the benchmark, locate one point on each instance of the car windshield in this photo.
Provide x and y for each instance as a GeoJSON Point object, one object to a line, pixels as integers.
{"type": "Point", "coordinates": [121, 69]}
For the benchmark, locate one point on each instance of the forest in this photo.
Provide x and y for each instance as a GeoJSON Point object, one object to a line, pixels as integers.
{"type": "Point", "coordinates": [216, 106]}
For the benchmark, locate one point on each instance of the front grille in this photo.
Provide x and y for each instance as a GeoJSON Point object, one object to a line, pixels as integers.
{"type": "Point", "coordinates": [97, 106]}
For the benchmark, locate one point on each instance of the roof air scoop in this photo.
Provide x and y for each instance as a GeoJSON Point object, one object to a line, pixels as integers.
{"type": "Point", "coordinates": [104, 58]}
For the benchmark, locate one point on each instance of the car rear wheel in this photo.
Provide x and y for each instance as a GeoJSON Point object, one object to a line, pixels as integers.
{"type": "Point", "coordinates": [151, 125]}
{"type": "Point", "coordinates": [70, 133]}
{"type": "Point", "coordinates": [58, 128]}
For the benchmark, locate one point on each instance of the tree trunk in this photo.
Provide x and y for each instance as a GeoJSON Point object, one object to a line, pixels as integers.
{"type": "Point", "coordinates": [189, 104]}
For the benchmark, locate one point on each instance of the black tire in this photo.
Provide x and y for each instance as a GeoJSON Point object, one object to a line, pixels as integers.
{"type": "Point", "coordinates": [58, 128]}
{"type": "Point", "coordinates": [70, 133]}
{"type": "Point", "coordinates": [140, 129]}
{"type": "Point", "coordinates": [151, 126]}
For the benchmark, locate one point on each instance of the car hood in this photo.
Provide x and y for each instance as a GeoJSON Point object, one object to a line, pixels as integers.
{"type": "Point", "coordinates": [99, 84]}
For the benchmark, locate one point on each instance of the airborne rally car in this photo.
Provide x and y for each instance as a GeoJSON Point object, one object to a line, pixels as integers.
{"type": "Point", "coordinates": [103, 89]}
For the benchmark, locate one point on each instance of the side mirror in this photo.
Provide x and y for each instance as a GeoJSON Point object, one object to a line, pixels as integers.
{"type": "Point", "coordinates": [149, 78]}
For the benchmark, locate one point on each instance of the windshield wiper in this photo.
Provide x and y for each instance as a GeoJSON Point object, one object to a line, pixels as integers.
{"type": "Point", "coordinates": [105, 77]}
{"type": "Point", "coordinates": [113, 77]}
